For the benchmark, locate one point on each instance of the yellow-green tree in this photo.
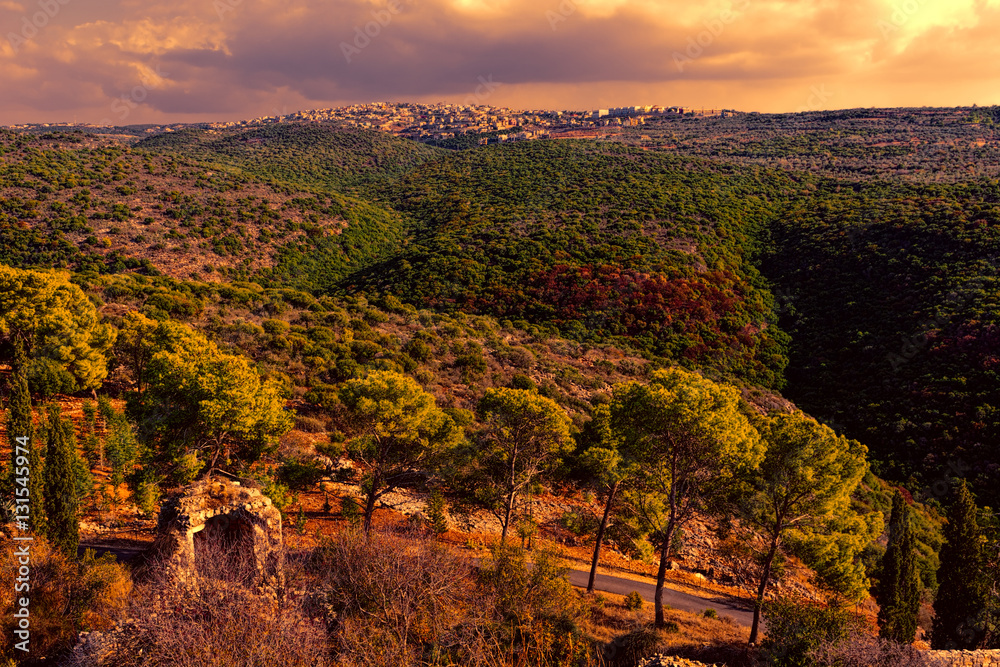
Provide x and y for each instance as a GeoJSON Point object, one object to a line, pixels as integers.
{"type": "Point", "coordinates": [803, 491]}
{"type": "Point", "coordinates": [688, 437]}
{"type": "Point", "coordinates": [611, 465]}
{"type": "Point", "coordinates": [136, 343]}
{"type": "Point", "coordinates": [523, 434]}
{"type": "Point", "coordinates": [58, 328]}
{"type": "Point", "coordinates": [396, 430]}
{"type": "Point", "coordinates": [202, 402]}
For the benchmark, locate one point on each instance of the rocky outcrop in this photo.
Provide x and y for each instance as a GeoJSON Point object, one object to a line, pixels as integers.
{"type": "Point", "coordinates": [670, 661]}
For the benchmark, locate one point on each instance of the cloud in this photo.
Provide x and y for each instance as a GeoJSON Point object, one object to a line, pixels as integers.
{"type": "Point", "coordinates": [236, 58]}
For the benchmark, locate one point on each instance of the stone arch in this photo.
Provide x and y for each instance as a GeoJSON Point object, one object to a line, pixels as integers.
{"type": "Point", "coordinates": [217, 526]}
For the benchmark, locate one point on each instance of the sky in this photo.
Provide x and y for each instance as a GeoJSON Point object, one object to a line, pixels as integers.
{"type": "Point", "coordinates": [149, 61]}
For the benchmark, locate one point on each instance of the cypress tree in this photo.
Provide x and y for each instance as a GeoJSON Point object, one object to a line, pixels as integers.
{"type": "Point", "coordinates": [961, 598]}
{"type": "Point", "coordinates": [21, 425]}
{"type": "Point", "coordinates": [60, 484]}
{"type": "Point", "coordinates": [898, 593]}
{"type": "Point", "coordinates": [18, 407]}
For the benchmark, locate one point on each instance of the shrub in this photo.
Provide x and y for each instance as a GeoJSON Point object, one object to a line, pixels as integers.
{"type": "Point", "coordinates": [521, 357]}
{"type": "Point", "coordinates": [350, 509]}
{"type": "Point", "coordinates": [275, 327]}
{"type": "Point", "coordinates": [472, 362]}
{"type": "Point", "coordinates": [388, 597]}
{"type": "Point", "coordinates": [634, 601]}
{"type": "Point", "coordinates": [628, 649]}
{"type": "Point", "coordinates": [797, 627]}
{"type": "Point", "coordinates": [436, 506]}
{"type": "Point", "coordinates": [578, 524]}
{"type": "Point", "coordinates": [310, 424]}
{"type": "Point", "coordinates": [537, 612]}
{"type": "Point", "coordinates": [521, 381]}
{"type": "Point", "coordinates": [147, 496]}
{"type": "Point", "coordinates": [711, 613]}
{"type": "Point", "coordinates": [47, 378]}
{"type": "Point", "coordinates": [216, 623]}
{"type": "Point", "coordinates": [281, 496]}
{"type": "Point", "coordinates": [418, 349]}
{"type": "Point", "coordinates": [862, 650]}
{"type": "Point", "coordinates": [66, 598]}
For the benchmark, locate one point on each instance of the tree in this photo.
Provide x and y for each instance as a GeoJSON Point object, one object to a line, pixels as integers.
{"type": "Point", "coordinates": [898, 592]}
{"type": "Point", "coordinates": [688, 437]}
{"type": "Point", "coordinates": [58, 328]}
{"type": "Point", "coordinates": [437, 520]}
{"type": "Point", "coordinates": [962, 590]}
{"type": "Point", "coordinates": [19, 421]}
{"type": "Point", "coordinates": [396, 428]}
{"type": "Point", "coordinates": [200, 400]}
{"type": "Point", "coordinates": [136, 344]}
{"type": "Point", "coordinates": [60, 483]}
{"type": "Point", "coordinates": [523, 434]}
{"type": "Point", "coordinates": [120, 446]}
{"type": "Point", "coordinates": [21, 425]}
{"type": "Point", "coordinates": [992, 556]}
{"type": "Point", "coordinates": [803, 486]}
{"type": "Point", "coordinates": [610, 469]}
{"type": "Point", "coordinates": [93, 449]}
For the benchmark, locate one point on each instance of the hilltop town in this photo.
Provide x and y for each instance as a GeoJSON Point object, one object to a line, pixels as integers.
{"type": "Point", "coordinates": [442, 121]}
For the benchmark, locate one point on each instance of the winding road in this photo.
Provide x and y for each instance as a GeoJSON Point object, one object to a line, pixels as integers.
{"type": "Point", "coordinates": [739, 611]}
{"type": "Point", "coordinates": [735, 609]}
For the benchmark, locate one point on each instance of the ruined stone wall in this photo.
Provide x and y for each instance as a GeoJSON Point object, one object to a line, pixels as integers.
{"type": "Point", "coordinates": [964, 658]}
{"type": "Point", "coordinates": [216, 503]}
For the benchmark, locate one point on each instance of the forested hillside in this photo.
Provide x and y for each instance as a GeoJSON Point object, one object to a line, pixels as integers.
{"type": "Point", "coordinates": [882, 295]}
{"type": "Point", "coordinates": [783, 322]}
{"type": "Point", "coordinates": [602, 242]}
{"type": "Point", "coordinates": [892, 300]}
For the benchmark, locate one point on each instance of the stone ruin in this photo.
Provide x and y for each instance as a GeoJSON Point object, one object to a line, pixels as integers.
{"type": "Point", "coordinates": [245, 528]}
{"type": "Point", "coordinates": [221, 517]}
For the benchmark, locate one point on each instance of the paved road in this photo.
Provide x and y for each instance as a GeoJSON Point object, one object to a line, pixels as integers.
{"type": "Point", "coordinates": [735, 609]}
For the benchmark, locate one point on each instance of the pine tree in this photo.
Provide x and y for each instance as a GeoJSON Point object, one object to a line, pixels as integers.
{"type": "Point", "coordinates": [60, 484]}
{"type": "Point", "coordinates": [961, 598]}
{"type": "Point", "coordinates": [802, 492]}
{"type": "Point", "coordinates": [898, 593]}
